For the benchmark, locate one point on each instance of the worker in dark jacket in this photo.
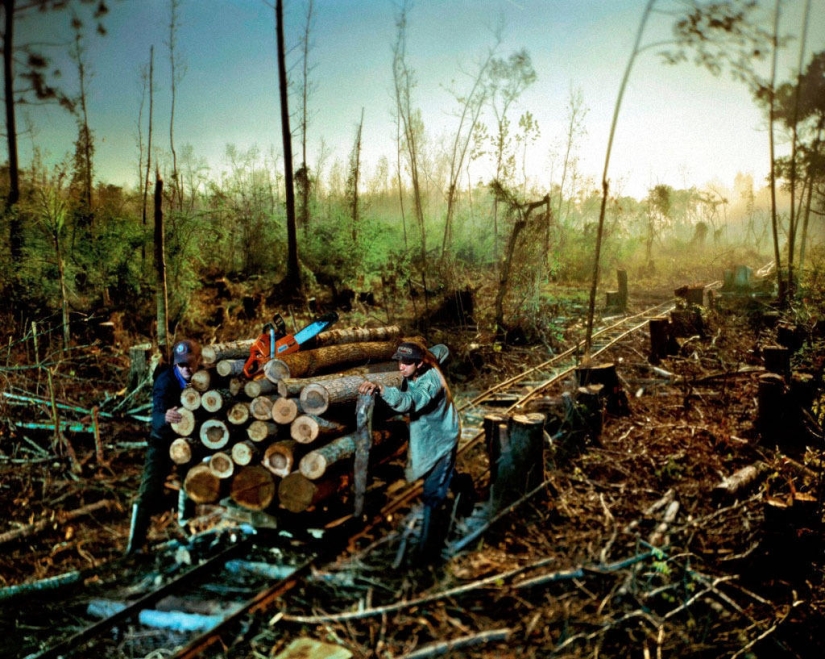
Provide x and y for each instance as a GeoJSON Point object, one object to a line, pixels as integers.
{"type": "Point", "coordinates": [169, 383]}
{"type": "Point", "coordinates": [435, 429]}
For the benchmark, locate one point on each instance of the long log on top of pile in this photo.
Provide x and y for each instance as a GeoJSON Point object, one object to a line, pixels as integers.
{"type": "Point", "coordinates": [214, 353]}
{"type": "Point", "coordinates": [356, 335]}
{"type": "Point", "coordinates": [311, 362]}
{"type": "Point", "coordinates": [317, 398]}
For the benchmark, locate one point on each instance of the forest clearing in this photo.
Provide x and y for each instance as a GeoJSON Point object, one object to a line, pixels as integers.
{"type": "Point", "coordinates": [638, 377]}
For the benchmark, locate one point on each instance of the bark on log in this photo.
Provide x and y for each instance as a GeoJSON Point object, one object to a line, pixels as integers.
{"type": "Point", "coordinates": [307, 428]}
{"type": "Point", "coordinates": [244, 453]}
{"type": "Point", "coordinates": [253, 488]}
{"type": "Point", "coordinates": [297, 493]}
{"type": "Point", "coordinates": [215, 400]}
{"type": "Point", "coordinates": [214, 353]}
{"type": "Point", "coordinates": [238, 414]}
{"type": "Point", "coordinates": [214, 434]}
{"type": "Point", "coordinates": [259, 387]}
{"type": "Point", "coordinates": [180, 450]}
{"type": "Point", "coordinates": [317, 462]}
{"type": "Point", "coordinates": [279, 458]}
{"type": "Point", "coordinates": [286, 410]}
{"type": "Point", "coordinates": [356, 335]}
{"type": "Point", "coordinates": [310, 362]}
{"type": "Point", "coordinates": [317, 398]}
{"type": "Point", "coordinates": [291, 387]}
{"type": "Point", "coordinates": [258, 431]}
{"type": "Point", "coordinates": [202, 379]}
{"type": "Point", "coordinates": [739, 480]}
{"type": "Point", "coordinates": [221, 465]}
{"type": "Point", "coordinates": [201, 485]}
{"type": "Point", "coordinates": [186, 426]}
{"type": "Point", "coordinates": [228, 368]}
{"type": "Point", "coordinates": [190, 398]}
{"type": "Point", "coordinates": [261, 407]}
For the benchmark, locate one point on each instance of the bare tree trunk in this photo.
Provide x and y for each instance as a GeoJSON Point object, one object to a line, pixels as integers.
{"type": "Point", "coordinates": [177, 196]}
{"type": "Point", "coordinates": [13, 196]}
{"type": "Point", "coordinates": [161, 297]}
{"type": "Point", "coordinates": [292, 281]}
{"type": "Point", "coordinates": [771, 121]}
{"type": "Point", "coordinates": [606, 186]}
{"type": "Point", "coordinates": [149, 137]}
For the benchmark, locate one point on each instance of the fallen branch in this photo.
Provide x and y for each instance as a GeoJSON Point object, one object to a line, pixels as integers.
{"type": "Point", "coordinates": [443, 647]}
{"type": "Point", "coordinates": [61, 518]}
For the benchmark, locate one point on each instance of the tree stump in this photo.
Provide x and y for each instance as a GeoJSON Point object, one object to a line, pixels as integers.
{"type": "Point", "coordinates": [139, 359]}
{"type": "Point", "coordinates": [519, 450]}
{"type": "Point", "coordinates": [605, 374]}
{"type": "Point", "coordinates": [662, 343]}
{"type": "Point", "coordinates": [777, 359]}
{"type": "Point", "coordinates": [770, 406]}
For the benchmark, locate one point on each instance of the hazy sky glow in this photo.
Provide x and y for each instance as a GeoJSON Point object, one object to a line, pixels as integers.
{"type": "Point", "coordinates": [678, 125]}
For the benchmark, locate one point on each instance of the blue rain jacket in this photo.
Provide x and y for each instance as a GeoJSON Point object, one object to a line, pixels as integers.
{"type": "Point", "coordinates": [435, 427]}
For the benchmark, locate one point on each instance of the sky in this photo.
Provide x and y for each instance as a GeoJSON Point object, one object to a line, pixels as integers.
{"type": "Point", "coordinates": [678, 125]}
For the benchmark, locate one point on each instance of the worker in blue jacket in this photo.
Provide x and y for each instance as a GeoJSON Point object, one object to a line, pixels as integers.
{"type": "Point", "coordinates": [435, 429]}
{"type": "Point", "coordinates": [170, 381]}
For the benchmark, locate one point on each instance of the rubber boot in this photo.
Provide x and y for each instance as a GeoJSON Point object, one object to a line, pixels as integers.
{"type": "Point", "coordinates": [186, 507]}
{"type": "Point", "coordinates": [432, 537]}
{"type": "Point", "coordinates": [137, 530]}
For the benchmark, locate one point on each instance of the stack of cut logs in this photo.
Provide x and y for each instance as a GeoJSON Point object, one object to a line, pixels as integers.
{"type": "Point", "coordinates": [285, 439]}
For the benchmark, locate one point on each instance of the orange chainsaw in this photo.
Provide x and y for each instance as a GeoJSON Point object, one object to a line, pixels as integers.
{"type": "Point", "coordinates": [275, 342]}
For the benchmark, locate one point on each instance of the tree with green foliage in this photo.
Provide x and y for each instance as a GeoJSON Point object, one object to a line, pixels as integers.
{"type": "Point", "coordinates": [27, 79]}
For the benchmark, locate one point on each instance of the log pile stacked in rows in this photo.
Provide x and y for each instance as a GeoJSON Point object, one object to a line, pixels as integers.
{"type": "Point", "coordinates": [285, 439]}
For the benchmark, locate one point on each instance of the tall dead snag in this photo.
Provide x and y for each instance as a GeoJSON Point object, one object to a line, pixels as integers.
{"type": "Point", "coordinates": [292, 280]}
{"type": "Point", "coordinates": [161, 295]}
{"type": "Point", "coordinates": [521, 212]}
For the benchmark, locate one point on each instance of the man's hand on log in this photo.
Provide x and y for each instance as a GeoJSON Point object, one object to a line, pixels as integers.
{"type": "Point", "coordinates": [369, 388]}
{"type": "Point", "coordinates": [173, 416]}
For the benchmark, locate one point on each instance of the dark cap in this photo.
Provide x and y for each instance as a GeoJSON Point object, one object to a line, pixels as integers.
{"type": "Point", "coordinates": [411, 351]}
{"type": "Point", "coordinates": [187, 352]}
